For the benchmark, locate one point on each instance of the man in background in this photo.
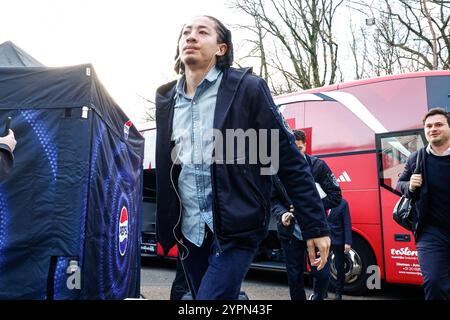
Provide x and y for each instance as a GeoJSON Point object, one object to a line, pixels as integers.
{"type": "Point", "coordinates": [289, 228]}
{"type": "Point", "coordinates": [431, 189]}
{"type": "Point", "coordinates": [340, 225]}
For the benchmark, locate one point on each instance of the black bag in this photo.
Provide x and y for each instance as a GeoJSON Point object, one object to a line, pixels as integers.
{"type": "Point", "coordinates": [405, 210]}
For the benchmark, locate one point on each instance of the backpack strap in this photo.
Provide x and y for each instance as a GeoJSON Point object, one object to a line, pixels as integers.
{"type": "Point", "coordinates": [419, 159]}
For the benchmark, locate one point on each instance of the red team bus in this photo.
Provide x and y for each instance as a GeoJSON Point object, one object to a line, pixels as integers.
{"type": "Point", "coordinates": [365, 130]}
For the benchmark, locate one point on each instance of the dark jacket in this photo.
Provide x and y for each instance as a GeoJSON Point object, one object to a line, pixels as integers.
{"type": "Point", "coordinates": [6, 161]}
{"type": "Point", "coordinates": [281, 201]}
{"type": "Point", "coordinates": [340, 224]}
{"type": "Point", "coordinates": [420, 195]}
{"type": "Point", "coordinates": [241, 195]}
{"type": "Point", "coordinates": [324, 176]}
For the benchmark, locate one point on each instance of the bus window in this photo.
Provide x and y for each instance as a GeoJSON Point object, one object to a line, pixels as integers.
{"type": "Point", "coordinates": [393, 151]}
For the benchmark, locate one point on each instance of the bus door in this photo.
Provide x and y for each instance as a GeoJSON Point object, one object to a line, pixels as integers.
{"type": "Point", "coordinates": [399, 250]}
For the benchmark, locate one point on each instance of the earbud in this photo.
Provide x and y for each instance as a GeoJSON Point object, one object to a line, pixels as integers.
{"type": "Point", "coordinates": [218, 51]}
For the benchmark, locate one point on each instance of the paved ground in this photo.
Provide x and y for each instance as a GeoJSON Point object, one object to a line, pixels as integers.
{"type": "Point", "coordinates": [157, 276]}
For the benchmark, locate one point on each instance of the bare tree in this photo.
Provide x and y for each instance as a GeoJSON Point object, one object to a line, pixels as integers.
{"type": "Point", "coordinates": [257, 50]}
{"type": "Point", "coordinates": [304, 54]}
{"type": "Point", "coordinates": [416, 32]}
{"type": "Point", "coordinates": [149, 106]}
{"type": "Point", "coordinates": [434, 47]}
{"type": "Point", "coordinates": [359, 50]}
{"type": "Point", "coordinates": [372, 56]}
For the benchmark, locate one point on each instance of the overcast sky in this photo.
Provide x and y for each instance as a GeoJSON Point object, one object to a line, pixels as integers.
{"type": "Point", "coordinates": [131, 43]}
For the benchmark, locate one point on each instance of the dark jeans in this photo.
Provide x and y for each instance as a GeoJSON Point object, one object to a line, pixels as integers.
{"type": "Point", "coordinates": [179, 285]}
{"type": "Point", "coordinates": [433, 246]}
{"type": "Point", "coordinates": [294, 251]}
{"type": "Point", "coordinates": [321, 280]}
{"type": "Point", "coordinates": [339, 259]}
{"type": "Point", "coordinates": [215, 274]}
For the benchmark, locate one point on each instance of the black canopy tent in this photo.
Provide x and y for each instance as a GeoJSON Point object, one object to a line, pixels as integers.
{"type": "Point", "coordinates": [13, 56]}
{"type": "Point", "coordinates": [74, 196]}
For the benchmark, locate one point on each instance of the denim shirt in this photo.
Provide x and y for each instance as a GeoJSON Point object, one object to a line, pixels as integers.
{"type": "Point", "coordinates": [297, 231]}
{"type": "Point", "coordinates": [192, 127]}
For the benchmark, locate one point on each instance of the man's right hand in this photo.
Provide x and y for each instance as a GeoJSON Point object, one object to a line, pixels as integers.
{"type": "Point", "coordinates": [9, 140]}
{"type": "Point", "coordinates": [415, 182]}
{"type": "Point", "coordinates": [323, 244]}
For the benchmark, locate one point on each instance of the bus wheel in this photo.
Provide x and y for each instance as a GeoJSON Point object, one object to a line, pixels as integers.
{"type": "Point", "coordinates": [355, 265]}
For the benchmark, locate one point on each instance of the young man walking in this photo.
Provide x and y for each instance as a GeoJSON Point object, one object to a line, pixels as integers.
{"type": "Point", "coordinates": [213, 204]}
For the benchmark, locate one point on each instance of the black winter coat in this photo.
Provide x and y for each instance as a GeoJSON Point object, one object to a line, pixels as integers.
{"type": "Point", "coordinates": [281, 201]}
{"type": "Point", "coordinates": [241, 195]}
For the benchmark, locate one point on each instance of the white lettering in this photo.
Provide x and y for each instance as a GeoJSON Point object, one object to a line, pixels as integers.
{"type": "Point", "coordinates": [206, 311]}
{"type": "Point", "coordinates": [404, 252]}
{"type": "Point", "coordinates": [74, 280]}
{"type": "Point", "coordinates": [374, 280]}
